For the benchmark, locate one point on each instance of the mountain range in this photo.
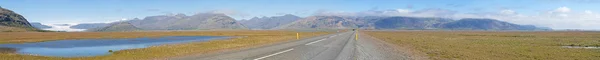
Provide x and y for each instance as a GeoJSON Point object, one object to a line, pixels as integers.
{"type": "Point", "coordinates": [183, 22]}
{"type": "Point", "coordinates": [89, 25]}
{"type": "Point", "coordinates": [13, 22]}
{"type": "Point", "coordinates": [323, 22]}
{"type": "Point", "coordinates": [403, 23]}
{"type": "Point", "coordinates": [410, 23]}
{"type": "Point", "coordinates": [39, 25]}
{"type": "Point", "coordinates": [200, 21]}
{"type": "Point", "coordinates": [116, 27]}
{"type": "Point", "coordinates": [269, 22]}
{"type": "Point", "coordinates": [483, 24]}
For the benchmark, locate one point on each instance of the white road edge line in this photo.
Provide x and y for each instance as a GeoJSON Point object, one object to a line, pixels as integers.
{"type": "Point", "coordinates": [314, 42]}
{"type": "Point", "coordinates": [332, 36]}
{"type": "Point", "coordinates": [275, 54]}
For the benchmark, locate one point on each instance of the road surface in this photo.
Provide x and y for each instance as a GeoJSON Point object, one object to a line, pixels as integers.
{"type": "Point", "coordinates": [339, 46]}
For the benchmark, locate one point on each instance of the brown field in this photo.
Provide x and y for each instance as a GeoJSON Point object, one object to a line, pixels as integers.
{"type": "Point", "coordinates": [249, 39]}
{"type": "Point", "coordinates": [482, 45]}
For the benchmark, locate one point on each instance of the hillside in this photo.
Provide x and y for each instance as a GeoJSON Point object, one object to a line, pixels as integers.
{"type": "Point", "coordinates": [13, 22]}
{"type": "Point", "coordinates": [483, 24]}
{"type": "Point", "coordinates": [409, 23]}
{"type": "Point", "coordinates": [89, 25]}
{"type": "Point", "coordinates": [269, 22]}
{"type": "Point", "coordinates": [116, 27]}
{"type": "Point", "coordinates": [200, 21]}
{"type": "Point", "coordinates": [323, 22]}
{"type": "Point", "coordinates": [40, 25]}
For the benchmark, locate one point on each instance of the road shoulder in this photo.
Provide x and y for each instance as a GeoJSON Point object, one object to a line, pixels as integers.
{"type": "Point", "coordinates": [371, 48]}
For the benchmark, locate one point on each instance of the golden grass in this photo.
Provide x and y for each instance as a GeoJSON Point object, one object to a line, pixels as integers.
{"type": "Point", "coordinates": [481, 45]}
{"type": "Point", "coordinates": [250, 39]}
{"type": "Point", "coordinates": [12, 29]}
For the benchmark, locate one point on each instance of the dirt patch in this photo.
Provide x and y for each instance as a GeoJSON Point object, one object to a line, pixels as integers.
{"type": "Point", "coordinates": [582, 47]}
{"type": "Point", "coordinates": [400, 49]}
{"type": "Point", "coordinates": [7, 50]}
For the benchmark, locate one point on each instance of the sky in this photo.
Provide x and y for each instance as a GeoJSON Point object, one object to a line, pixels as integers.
{"type": "Point", "coordinates": [557, 14]}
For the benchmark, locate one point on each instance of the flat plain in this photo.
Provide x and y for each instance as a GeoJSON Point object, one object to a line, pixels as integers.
{"type": "Point", "coordinates": [495, 45]}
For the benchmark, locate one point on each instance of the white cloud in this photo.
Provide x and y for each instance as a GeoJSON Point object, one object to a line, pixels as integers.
{"type": "Point", "coordinates": [563, 15]}
{"type": "Point", "coordinates": [395, 12]}
{"type": "Point", "coordinates": [124, 19]}
{"type": "Point", "coordinates": [334, 13]}
{"type": "Point", "coordinates": [560, 12]}
{"type": "Point", "coordinates": [563, 10]}
{"type": "Point", "coordinates": [433, 13]}
{"type": "Point", "coordinates": [228, 12]}
{"type": "Point", "coordinates": [403, 10]}
{"type": "Point", "coordinates": [58, 27]}
{"type": "Point", "coordinates": [588, 12]}
{"type": "Point", "coordinates": [560, 18]}
{"type": "Point", "coordinates": [508, 12]}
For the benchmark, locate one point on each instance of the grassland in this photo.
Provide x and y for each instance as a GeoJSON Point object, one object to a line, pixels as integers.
{"type": "Point", "coordinates": [249, 39]}
{"type": "Point", "coordinates": [482, 45]}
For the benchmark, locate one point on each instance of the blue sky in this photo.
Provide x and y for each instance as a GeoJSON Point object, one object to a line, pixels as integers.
{"type": "Point", "coordinates": [93, 11]}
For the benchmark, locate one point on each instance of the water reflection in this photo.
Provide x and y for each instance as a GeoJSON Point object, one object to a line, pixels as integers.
{"type": "Point", "coordinates": [95, 47]}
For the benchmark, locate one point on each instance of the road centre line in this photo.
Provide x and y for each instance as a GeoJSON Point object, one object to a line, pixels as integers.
{"type": "Point", "coordinates": [314, 42]}
{"type": "Point", "coordinates": [275, 54]}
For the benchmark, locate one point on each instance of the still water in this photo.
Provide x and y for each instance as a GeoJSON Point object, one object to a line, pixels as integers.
{"type": "Point", "coordinates": [96, 47]}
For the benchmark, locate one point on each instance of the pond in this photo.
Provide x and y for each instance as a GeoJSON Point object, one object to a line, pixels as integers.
{"type": "Point", "coordinates": [97, 47]}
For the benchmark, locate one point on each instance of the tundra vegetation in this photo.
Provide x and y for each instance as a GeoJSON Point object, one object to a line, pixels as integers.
{"type": "Point", "coordinates": [488, 45]}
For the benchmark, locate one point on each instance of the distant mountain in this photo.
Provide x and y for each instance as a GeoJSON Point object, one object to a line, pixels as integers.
{"type": "Point", "coordinates": [409, 23]}
{"type": "Point", "coordinates": [13, 22]}
{"type": "Point", "coordinates": [40, 25]}
{"type": "Point", "coordinates": [89, 25]}
{"type": "Point", "coordinates": [116, 27]}
{"type": "Point", "coordinates": [269, 22]}
{"type": "Point", "coordinates": [399, 22]}
{"type": "Point", "coordinates": [323, 22]}
{"type": "Point", "coordinates": [62, 24]}
{"type": "Point", "coordinates": [200, 21]}
{"type": "Point", "coordinates": [484, 24]}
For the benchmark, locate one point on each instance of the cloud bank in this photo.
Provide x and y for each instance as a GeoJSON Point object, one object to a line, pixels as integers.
{"type": "Point", "coordinates": [62, 27]}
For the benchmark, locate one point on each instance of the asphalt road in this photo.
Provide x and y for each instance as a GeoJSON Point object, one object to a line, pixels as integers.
{"type": "Point", "coordinates": [339, 46]}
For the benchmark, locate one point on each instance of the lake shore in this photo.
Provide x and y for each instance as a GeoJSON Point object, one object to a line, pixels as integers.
{"type": "Point", "coordinates": [250, 39]}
